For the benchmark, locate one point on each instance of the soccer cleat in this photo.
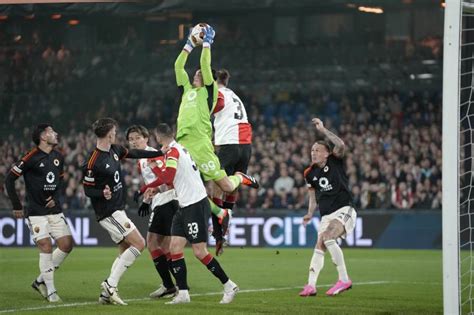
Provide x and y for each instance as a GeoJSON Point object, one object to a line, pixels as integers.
{"type": "Point", "coordinates": [225, 221]}
{"type": "Point", "coordinates": [54, 298]}
{"type": "Point", "coordinates": [308, 290]}
{"type": "Point", "coordinates": [230, 290]}
{"type": "Point", "coordinates": [104, 298]}
{"type": "Point", "coordinates": [113, 293]}
{"type": "Point", "coordinates": [180, 298]}
{"type": "Point", "coordinates": [339, 287]}
{"type": "Point", "coordinates": [248, 180]}
{"type": "Point", "coordinates": [40, 287]}
{"type": "Point", "coordinates": [163, 292]}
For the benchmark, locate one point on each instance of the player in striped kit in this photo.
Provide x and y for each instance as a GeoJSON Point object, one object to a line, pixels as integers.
{"type": "Point", "coordinates": [233, 139]}
{"type": "Point", "coordinates": [163, 205]}
{"type": "Point", "coordinates": [190, 221]}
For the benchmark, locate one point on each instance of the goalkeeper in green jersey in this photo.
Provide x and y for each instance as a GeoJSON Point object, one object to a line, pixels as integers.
{"type": "Point", "coordinates": [194, 128]}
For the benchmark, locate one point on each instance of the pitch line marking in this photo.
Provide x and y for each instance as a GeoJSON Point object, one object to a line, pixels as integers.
{"type": "Point", "coordinates": [45, 307]}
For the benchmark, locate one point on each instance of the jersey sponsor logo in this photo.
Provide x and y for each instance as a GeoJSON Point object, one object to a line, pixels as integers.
{"type": "Point", "coordinates": [56, 162]}
{"type": "Point", "coordinates": [326, 169]}
{"type": "Point", "coordinates": [116, 176]}
{"type": "Point", "coordinates": [41, 165]}
{"type": "Point", "coordinates": [50, 177]}
{"type": "Point", "coordinates": [116, 157]}
{"type": "Point", "coordinates": [324, 184]}
{"type": "Point", "coordinates": [192, 95]}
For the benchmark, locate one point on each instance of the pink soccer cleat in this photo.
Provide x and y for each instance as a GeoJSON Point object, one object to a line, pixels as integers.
{"type": "Point", "coordinates": [339, 287]}
{"type": "Point", "coordinates": [308, 290]}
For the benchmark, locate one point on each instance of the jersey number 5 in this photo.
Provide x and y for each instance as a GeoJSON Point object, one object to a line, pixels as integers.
{"type": "Point", "coordinates": [240, 113]}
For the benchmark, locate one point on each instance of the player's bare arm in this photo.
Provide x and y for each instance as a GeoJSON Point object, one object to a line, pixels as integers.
{"type": "Point", "coordinates": [339, 145]}
{"type": "Point", "coordinates": [312, 204]}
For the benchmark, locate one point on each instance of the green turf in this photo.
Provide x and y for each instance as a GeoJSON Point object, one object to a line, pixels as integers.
{"type": "Point", "coordinates": [412, 283]}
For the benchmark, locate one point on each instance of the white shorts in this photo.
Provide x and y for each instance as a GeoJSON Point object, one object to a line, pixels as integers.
{"type": "Point", "coordinates": [346, 215]}
{"type": "Point", "coordinates": [51, 225]}
{"type": "Point", "coordinates": [118, 225]}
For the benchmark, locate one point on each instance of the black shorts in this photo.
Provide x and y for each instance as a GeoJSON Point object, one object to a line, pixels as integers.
{"type": "Point", "coordinates": [161, 218]}
{"type": "Point", "coordinates": [234, 157]}
{"type": "Point", "coordinates": [191, 222]}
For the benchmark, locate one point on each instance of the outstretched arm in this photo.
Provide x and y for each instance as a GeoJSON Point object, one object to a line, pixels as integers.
{"type": "Point", "coordinates": [142, 154]}
{"type": "Point", "coordinates": [339, 145]}
{"type": "Point", "coordinates": [182, 79]}
{"type": "Point", "coordinates": [206, 66]}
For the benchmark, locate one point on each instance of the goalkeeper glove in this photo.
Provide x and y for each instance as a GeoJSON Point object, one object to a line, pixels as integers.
{"type": "Point", "coordinates": [144, 209]}
{"type": "Point", "coordinates": [189, 46]}
{"type": "Point", "coordinates": [209, 34]}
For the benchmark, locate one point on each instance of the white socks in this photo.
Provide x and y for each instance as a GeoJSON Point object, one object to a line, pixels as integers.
{"type": "Point", "coordinates": [338, 259]}
{"type": "Point", "coordinates": [316, 265]}
{"type": "Point", "coordinates": [115, 263]}
{"type": "Point", "coordinates": [58, 257]}
{"type": "Point", "coordinates": [46, 267]}
{"type": "Point", "coordinates": [121, 264]}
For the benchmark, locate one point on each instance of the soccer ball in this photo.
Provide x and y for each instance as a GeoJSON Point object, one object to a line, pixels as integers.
{"type": "Point", "coordinates": [197, 34]}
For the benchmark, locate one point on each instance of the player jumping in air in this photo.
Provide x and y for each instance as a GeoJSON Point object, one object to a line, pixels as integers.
{"type": "Point", "coordinates": [42, 169]}
{"type": "Point", "coordinates": [328, 187]}
{"type": "Point", "coordinates": [194, 128]}
{"type": "Point", "coordinates": [233, 138]}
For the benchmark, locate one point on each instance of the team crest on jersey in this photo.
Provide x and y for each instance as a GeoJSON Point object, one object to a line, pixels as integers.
{"type": "Point", "coordinates": [315, 178]}
{"type": "Point", "coordinates": [192, 95]}
{"type": "Point", "coordinates": [56, 162]}
{"type": "Point", "coordinates": [326, 169]}
{"type": "Point", "coordinates": [127, 225]}
{"type": "Point", "coordinates": [115, 157]}
{"type": "Point", "coordinates": [36, 229]}
{"type": "Point", "coordinates": [159, 163]}
{"type": "Point", "coordinates": [90, 173]}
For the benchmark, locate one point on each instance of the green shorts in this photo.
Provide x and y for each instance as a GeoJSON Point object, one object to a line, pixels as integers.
{"type": "Point", "coordinates": [205, 158]}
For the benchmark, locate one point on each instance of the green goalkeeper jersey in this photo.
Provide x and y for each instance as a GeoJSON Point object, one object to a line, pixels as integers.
{"type": "Point", "coordinates": [197, 104]}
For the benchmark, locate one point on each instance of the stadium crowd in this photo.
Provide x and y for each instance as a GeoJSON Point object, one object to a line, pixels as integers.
{"type": "Point", "coordinates": [394, 138]}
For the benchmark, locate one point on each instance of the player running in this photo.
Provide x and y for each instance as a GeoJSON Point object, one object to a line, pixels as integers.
{"type": "Point", "coordinates": [190, 221]}
{"type": "Point", "coordinates": [42, 169]}
{"type": "Point", "coordinates": [328, 187]}
{"type": "Point", "coordinates": [233, 138]}
{"type": "Point", "coordinates": [164, 205]}
{"type": "Point", "coordinates": [103, 184]}
{"type": "Point", "coordinates": [194, 124]}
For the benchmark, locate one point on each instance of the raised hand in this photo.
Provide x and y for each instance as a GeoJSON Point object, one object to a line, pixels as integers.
{"type": "Point", "coordinates": [209, 34]}
{"type": "Point", "coordinates": [318, 124]}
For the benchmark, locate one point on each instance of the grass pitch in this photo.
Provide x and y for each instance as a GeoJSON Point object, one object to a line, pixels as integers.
{"type": "Point", "coordinates": [385, 281]}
